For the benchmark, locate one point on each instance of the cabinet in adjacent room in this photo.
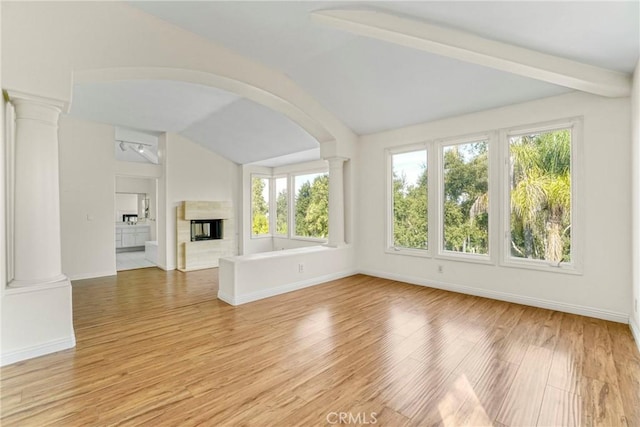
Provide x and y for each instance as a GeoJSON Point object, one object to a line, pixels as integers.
{"type": "Point", "coordinates": [128, 236]}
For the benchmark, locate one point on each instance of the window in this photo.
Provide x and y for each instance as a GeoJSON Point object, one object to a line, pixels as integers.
{"type": "Point", "coordinates": [465, 197]}
{"type": "Point", "coordinates": [282, 206]}
{"type": "Point", "coordinates": [540, 196]}
{"type": "Point", "coordinates": [311, 205]}
{"type": "Point", "coordinates": [536, 227]}
{"type": "Point", "coordinates": [409, 199]}
{"type": "Point", "coordinates": [259, 206]}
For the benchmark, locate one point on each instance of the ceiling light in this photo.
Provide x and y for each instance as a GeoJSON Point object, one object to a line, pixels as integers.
{"type": "Point", "coordinates": [122, 146]}
{"type": "Point", "coordinates": [140, 148]}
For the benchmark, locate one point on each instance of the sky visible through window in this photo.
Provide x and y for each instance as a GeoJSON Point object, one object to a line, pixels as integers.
{"type": "Point", "coordinates": [411, 164]}
{"type": "Point", "coordinates": [301, 179]}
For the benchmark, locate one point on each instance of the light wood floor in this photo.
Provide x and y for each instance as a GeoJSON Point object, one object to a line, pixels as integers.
{"type": "Point", "coordinates": [157, 348]}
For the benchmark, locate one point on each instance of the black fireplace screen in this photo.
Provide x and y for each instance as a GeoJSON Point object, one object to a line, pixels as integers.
{"type": "Point", "coordinates": [206, 229]}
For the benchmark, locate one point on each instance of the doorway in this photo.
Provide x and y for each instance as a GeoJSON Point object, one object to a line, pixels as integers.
{"type": "Point", "coordinates": [135, 223]}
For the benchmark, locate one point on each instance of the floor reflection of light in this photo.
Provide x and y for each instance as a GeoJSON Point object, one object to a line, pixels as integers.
{"type": "Point", "coordinates": [399, 347]}
{"type": "Point", "coordinates": [318, 320]}
{"type": "Point", "coordinates": [405, 322]}
{"type": "Point", "coordinates": [462, 394]}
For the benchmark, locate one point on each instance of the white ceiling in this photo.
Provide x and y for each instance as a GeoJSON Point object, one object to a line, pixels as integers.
{"type": "Point", "coordinates": [247, 132]}
{"type": "Point", "coordinates": [156, 105]}
{"type": "Point", "coordinates": [368, 84]}
{"type": "Point", "coordinates": [234, 127]}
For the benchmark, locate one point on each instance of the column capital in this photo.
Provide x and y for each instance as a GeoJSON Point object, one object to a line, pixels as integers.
{"type": "Point", "coordinates": [37, 107]}
{"type": "Point", "coordinates": [336, 160]}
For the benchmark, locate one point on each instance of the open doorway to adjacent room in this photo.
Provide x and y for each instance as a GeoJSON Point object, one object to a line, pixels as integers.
{"type": "Point", "coordinates": [135, 223]}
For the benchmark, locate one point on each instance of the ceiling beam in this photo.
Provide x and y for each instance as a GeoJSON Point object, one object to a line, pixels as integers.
{"type": "Point", "coordinates": [477, 50]}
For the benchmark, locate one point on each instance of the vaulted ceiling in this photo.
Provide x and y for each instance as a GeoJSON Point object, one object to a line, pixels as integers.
{"type": "Point", "coordinates": [371, 85]}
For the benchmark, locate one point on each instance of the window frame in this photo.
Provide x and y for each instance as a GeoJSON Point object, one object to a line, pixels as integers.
{"type": "Point", "coordinates": [389, 242]}
{"type": "Point", "coordinates": [274, 207]}
{"type": "Point", "coordinates": [442, 253]}
{"type": "Point", "coordinates": [575, 266]}
{"type": "Point", "coordinates": [292, 205]}
{"type": "Point", "coordinates": [269, 181]}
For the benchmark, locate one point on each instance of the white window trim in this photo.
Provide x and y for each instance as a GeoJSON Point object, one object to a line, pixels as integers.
{"type": "Point", "coordinates": [274, 206]}
{"type": "Point", "coordinates": [499, 199]}
{"type": "Point", "coordinates": [439, 199]}
{"type": "Point", "coordinates": [390, 248]}
{"type": "Point", "coordinates": [269, 180]}
{"type": "Point", "coordinates": [577, 231]}
{"type": "Point", "coordinates": [292, 205]}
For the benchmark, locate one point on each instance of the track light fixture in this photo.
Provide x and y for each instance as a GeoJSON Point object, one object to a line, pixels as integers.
{"type": "Point", "coordinates": [138, 146]}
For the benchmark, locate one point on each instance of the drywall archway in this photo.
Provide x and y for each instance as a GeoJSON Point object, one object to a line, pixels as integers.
{"type": "Point", "coordinates": [49, 46]}
{"type": "Point", "coordinates": [261, 96]}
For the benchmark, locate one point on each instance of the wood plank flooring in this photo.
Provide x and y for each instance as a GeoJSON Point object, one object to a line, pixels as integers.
{"type": "Point", "coordinates": [157, 348]}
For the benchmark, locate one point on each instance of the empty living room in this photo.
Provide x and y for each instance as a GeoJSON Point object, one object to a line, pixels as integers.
{"type": "Point", "coordinates": [301, 213]}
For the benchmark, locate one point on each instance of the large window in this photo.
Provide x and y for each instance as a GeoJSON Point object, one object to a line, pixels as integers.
{"type": "Point", "coordinates": [259, 206]}
{"type": "Point", "coordinates": [409, 199]}
{"type": "Point", "coordinates": [507, 197]}
{"type": "Point", "coordinates": [282, 206]}
{"type": "Point", "coordinates": [311, 205]}
{"type": "Point", "coordinates": [540, 195]}
{"type": "Point", "coordinates": [465, 198]}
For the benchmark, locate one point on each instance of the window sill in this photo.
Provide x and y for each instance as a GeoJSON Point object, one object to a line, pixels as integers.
{"type": "Point", "coordinates": [421, 253]}
{"type": "Point", "coordinates": [465, 257]}
{"type": "Point", "coordinates": [543, 266]}
{"type": "Point", "coordinates": [308, 239]}
{"type": "Point", "coordinates": [261, 236]}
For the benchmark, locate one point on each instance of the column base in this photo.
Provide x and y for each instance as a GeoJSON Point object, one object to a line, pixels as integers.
{"type": "Point", "coordinates": [52, 282]}
{"type": "Point", "coordinates": [37, 319]}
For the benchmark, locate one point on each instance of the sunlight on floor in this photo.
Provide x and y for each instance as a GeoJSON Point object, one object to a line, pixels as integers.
{"type": "Point", "coordinates": [462, 397]}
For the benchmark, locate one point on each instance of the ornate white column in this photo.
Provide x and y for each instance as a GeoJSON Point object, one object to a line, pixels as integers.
{"type": "Point", "coordinates": [336, 201]}
{"type": "Point", "coordinates": [36, 228]}
{"type": "Point", "coordinates": [37, 307]}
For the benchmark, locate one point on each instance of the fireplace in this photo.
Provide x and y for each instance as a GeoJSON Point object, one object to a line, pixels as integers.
{"type": "Point", "coordinates": [206, 229]}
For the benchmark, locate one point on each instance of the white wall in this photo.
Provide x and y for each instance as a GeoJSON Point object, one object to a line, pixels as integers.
{"type": "Point", "coordinates": [87, 189]}
{"type": "Point", "coordinates": [125, 184]}
{"type": "Point", "coordinates": [252, 277]}
{"type": "Point", "coordinates": [191, 172]}
{"type": "Point", "coordinates": [602, 290]}
{"type": "Point", "coordinates": [635, 165]}
{"type": "Point", "coordinates": [3, 200]}
{"type": "Point", "coordinates": [141, 170]}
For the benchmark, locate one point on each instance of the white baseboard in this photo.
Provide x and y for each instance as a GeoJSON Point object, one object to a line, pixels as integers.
{"type": "Point", "coordinates": [635, 331]}
{"type": "Point", "coordinates": [91, 275]}
{"type": "Point", "coordinates": [37, 350]}
{"type": "Point", "coordinates": [266, 293]}
{"type": "Point", "coordinates": [504, 296]}
{"type": "Point", "coordinates": [226, 298]}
